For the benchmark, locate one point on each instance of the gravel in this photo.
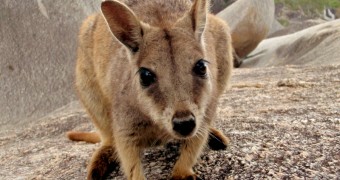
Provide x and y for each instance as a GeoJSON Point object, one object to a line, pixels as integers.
{"type": "Point", "coordinates": [284, 123]}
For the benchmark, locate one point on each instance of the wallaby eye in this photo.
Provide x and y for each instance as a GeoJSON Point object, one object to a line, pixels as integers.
{"type": "Point", "coordinates": [146, 77]}
{"type": "Point", "coordinates": [200, 68]}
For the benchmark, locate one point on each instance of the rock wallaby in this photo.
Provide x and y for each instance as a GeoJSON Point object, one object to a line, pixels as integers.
{"type": "Point", "coordinates": [148, 72]}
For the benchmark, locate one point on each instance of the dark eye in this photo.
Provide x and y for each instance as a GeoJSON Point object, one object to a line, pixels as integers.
{"type": "Point", "coordinates": [146, 77]}
{"type": "Point", "coordinates": [200, 68]}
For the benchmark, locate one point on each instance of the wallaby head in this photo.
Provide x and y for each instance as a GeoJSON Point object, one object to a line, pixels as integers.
{"type": "Point", "coordinates": [170, 69]}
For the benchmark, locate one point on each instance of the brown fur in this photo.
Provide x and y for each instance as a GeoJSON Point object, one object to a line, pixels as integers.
{"type": "Point", "coordinates": [168, 38]}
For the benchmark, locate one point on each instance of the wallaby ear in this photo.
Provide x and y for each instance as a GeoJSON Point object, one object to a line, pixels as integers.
{"type": "Point", "coordinates": [123, 24]}
{"type": "Point", "coordinates": [198, 15]}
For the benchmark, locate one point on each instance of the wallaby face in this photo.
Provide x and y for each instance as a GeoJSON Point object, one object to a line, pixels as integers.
{"type": "Point", "coordinates": [172, 81]}
{"type": "Point", "coordinates": [144, 82]}
{"type": "Point", "coordinates": [172, 73]}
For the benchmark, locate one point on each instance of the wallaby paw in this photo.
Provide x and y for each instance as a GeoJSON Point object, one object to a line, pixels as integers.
{"type": "Point", "coordinates": [103, 162]}
{"type": "Point", "coordinates": [190, 177]}
{"type": "Point", "coordinates": [217, 140]}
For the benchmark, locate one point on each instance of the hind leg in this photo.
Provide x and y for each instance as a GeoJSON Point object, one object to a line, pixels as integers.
{"type": "Point", "coordinates": [217, 140]}
{"type": "Point", "coordinates": [98, 107]}
{"type": "Point", "coordinates": [103, 161]}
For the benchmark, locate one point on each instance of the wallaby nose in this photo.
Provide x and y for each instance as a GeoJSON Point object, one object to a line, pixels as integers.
{"type": "Point", "coordinates": [184, 126]}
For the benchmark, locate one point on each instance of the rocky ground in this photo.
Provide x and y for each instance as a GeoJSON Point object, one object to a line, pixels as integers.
{"type": "Point", "coordinates": [284, 123]}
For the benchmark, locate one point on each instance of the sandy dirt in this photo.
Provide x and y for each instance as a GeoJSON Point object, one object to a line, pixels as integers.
{"type": "Point", "coordinates": [284, 123]}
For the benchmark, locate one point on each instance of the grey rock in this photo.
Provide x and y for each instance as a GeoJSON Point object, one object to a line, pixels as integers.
{"type": "Point", "coordinates": [250, 23]}
{"type": "Point", "coordinates": [317, 45]}
{"type": "Point", "coordinates": [38, 51]}
{"type": "Point", "coordinates": [294, 26]}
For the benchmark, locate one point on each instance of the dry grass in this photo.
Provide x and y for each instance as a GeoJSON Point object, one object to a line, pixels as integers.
{"type": "Point", "coordinates": [310, 8]}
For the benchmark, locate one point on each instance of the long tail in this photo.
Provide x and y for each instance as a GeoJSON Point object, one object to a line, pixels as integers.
{"type": "Point", "coordinates": [90, 137]}
{"type": "Point", "coordinates": [217, 140]}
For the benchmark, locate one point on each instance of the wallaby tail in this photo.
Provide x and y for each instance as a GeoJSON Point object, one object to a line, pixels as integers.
{"type": "Point", "coordinates": [90, 137]}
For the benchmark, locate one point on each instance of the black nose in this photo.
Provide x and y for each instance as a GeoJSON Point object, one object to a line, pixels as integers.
{"type": "Point", "coordinates": [183, 126]}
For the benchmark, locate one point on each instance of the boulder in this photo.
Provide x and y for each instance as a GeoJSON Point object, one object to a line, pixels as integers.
{"type": "Point", "coordinates": [250, 22]}
{"type": "Point", "coordinates": [38, 50]}
{"type": "Point", "coordinates": [295, 26]}
{"type": "Point", "coordinates": [317, 45]}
